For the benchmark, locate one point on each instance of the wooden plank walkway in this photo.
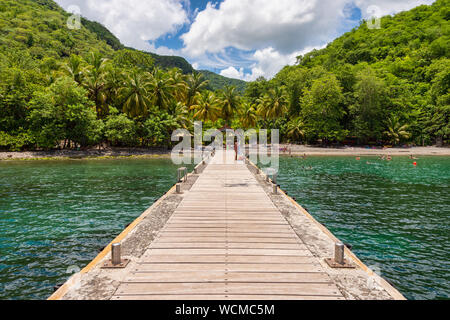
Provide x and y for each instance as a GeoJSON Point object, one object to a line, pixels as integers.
{"type": "Point", "coordinates": [227, 240]}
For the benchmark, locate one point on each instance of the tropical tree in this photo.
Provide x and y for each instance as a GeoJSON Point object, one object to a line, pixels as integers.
{"type": "Point", "coordinates": [322, 109]}
{"type": "Point", "coordinates": [194, 84]}
{"type": "Point", "coordinates": [207, 107]}
{"type": "Point", "coordinates": [180, 113]}
{"type": "Point", "coordinates": [116, 79]}
{"type": "Point", "coordinates": [248, 115]}
{"type": "Point", "coordinates": [178, 82]}
{"type": "Point", "coordinates": [161, 89]}
{"type": "Point", "coordinates": [295, 129]}
{"type": "Point", "coordinates": [135, 95]}
{"type": "Point", "coordinates": [368, 110]}
{"type": "Point", "coordinates": [229, 99]}
{"type": "Point", "coordinates": [273, 104]}
{"type": "Point", "coordinates": [63, 112]}
{"type": "Point", "coordinates": [74, 68]}
{"type": "Point", "coordinates": [95, 82]}
{"type": "Point", "coordinates": [396, 131]}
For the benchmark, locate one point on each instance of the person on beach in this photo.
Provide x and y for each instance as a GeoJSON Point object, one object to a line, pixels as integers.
{"type": "Point", "coordinates": [236, 150]}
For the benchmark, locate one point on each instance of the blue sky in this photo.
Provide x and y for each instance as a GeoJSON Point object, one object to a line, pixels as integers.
{"type": "Point", "coordinates": [236, 38]}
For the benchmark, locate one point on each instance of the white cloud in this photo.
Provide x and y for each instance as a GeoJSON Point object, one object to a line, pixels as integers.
{"type": "Point", "coordinates": [386, 7]}
{"type": "Point", "coordinates": [268, 62]}
{"type": "Point", "coordinates": [232, 72]}
{"type": "Point", "coordinates": [134, 21]}
{"type": "Point", "coordinates": [278, 31]}
{"type": "Point", "coordinates": [273, 31]}
{"type": "Point", "coordinates": [286, 25]}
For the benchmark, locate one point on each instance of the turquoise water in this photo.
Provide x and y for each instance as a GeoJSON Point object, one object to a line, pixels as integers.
{"type": "Point", "coordinates": [396, 216]}
{"type": "Point", "coordinates": [56, 215]}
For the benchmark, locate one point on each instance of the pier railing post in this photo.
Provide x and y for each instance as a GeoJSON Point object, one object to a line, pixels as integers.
{"type": "Point", "coordinates": [339, 253]}
{"type": "Point", "coordinates": [115, 254]}
{"type": "Point", "coordinates": [116, 261]}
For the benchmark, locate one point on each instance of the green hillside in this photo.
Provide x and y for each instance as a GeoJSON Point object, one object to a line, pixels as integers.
{"type": "Point", "coordinates": [389, 84]}
{"type": "Point", "coordinates": [217, 82]}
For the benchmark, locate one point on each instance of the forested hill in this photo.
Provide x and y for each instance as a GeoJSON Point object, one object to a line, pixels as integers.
{"type": "Point", "coordinates": [374, 84]}
{"type": "Point", "coordinates": [47, 38]}
{"type": "Point", "coordinates": [217, 81]}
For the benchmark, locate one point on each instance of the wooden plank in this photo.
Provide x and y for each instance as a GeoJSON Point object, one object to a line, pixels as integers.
{"type": "Point", "coordinates": [230, 267]}
{"type": "Point", "coordinates": [190, 297]}
{"type": "Point", "coordinates": [146, 259]}
{"type": "Point", "coordinates": [225, 245]}
{"type": "Point", "coordinates": [229, 229]}
{"type": "Point", "coordinates": [228, 239]}
{"type": "Point", "coordinates": [217, 276]}
{"type": "Point", "coordinates": [230, 252]}
{"type": "Point", "coordinates": [230, 222]}
{"type": "Point", "coordinates": [232, 234]}
{"type": "Point", "coordinates": [324, 289]}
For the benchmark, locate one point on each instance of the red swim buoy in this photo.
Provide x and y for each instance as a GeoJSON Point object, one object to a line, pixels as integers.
{"type": "Point", "coordinates": [415, 163]}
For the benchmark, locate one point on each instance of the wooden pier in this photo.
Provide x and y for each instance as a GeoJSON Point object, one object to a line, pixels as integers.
{"type": "Point", "coordinates": [227, 240]}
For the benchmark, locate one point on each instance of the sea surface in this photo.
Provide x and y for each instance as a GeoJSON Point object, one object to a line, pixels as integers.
{"type": "Point", "coordinates": [55, 216]}
{"type": "Point", "coordinates": [394, 214]}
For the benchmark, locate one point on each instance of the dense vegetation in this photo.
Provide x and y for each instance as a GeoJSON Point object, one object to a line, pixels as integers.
{"type": "Point", "coordinates": [217, 82]}
{"type": "Point", "coordinates": [79, 88]}
{"type": "Point", "coordinates": [372, 86]}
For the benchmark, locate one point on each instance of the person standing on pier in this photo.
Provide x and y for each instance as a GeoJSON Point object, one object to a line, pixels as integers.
{"type": "Point", "coordinates": [236, 150]}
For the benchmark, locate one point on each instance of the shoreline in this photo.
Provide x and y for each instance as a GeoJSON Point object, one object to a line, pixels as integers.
{"type": "Point", "coordinates": [91, 154]}
{"type": "Point", "coordinates": [296, 151]}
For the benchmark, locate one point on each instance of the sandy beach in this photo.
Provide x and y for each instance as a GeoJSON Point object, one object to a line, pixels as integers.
{"type": "Point", "coordinates": [82, 154]}
{"type": "Point", "coordinates": [296, 150]}
{"type": "Point", "coordinates": [299, 150]}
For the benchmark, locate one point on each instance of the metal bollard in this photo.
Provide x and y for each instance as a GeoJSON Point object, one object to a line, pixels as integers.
{"type": "Point", "coordinates": [275, 189]}
{"type": "Point", "coordinates": [115, 254]}
{"type": "Point", "coordinates": [339, 253]}
{"type": "Point", "coordinates": [178, 188]}
{"type": "Point", "coordinates": [196, 170]}
{"type": "Point", "coordinates": [274, 178]}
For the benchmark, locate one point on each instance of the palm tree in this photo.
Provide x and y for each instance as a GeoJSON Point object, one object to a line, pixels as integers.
{"type": "Point", "coordinates": [229, 103]}
{"type": "Point", "coordinates": [181, 114]}
{"type": "Point", "coordinates": [95, 82]}
{"type": "Point", "coordinates": [135, 95]}
{"type": "Point", "coordinates": [397, 131]}
{"type": "Point", "coordinates": [115, 80]}
{"type": "Point", "coordinates": [178, 82]}
{"type": "Point", "coordinates": [206, 107]}
{"type": "Point", "coordinates": [295, 129]}
{"type": "Point", "coordinates": [248, 115]}
{"type": "Point", "coordinates": [74, 68]}
{"type": "Point", "coordinates": [273, 104]}
{"type": "Point", "coordinates": [194, 85]}
{"type": "Point", "coordinates": [161, 88]}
